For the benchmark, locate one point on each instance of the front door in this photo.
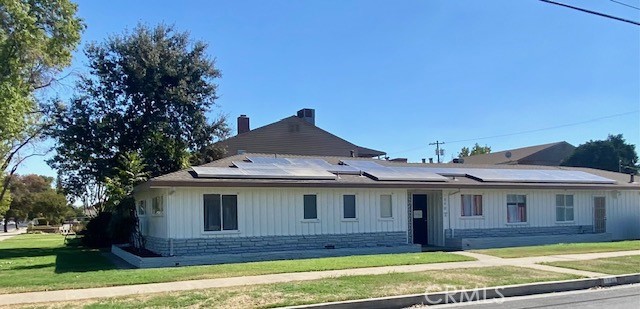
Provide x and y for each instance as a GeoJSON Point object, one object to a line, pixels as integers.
{"type": "Point", "coordinates": [599, 214]}
{"type": "Point", "coordinates": [420, 219]}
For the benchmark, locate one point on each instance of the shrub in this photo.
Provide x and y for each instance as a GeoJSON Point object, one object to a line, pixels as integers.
{"type": "Point", "coordinates": [95, 234]}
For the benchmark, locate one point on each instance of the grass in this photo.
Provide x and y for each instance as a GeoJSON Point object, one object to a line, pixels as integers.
{"type": "Point", "coordinates": [326, 290]}
{"type": "Point", "coordinates": [43, 262]}
{"type": "Point", "coordinates": [615, 266]}
{"type": "Point", "coordinates": [572, 248]}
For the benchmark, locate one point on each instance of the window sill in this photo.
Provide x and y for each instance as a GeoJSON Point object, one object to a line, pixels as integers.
{"type": "Point", "coordinates": [310, 220]}
{"type": "Point", "coordinates": [565, 222]}
{"type": "Point", "coordinates": [386, 219]}
{"type": "Point", "coordinates": [223, 232]}
{"type": "Point", "coordinates": [517, 223]}
{"type": "Point", "coordinates": [472, 217]}
{"type": "Point", "coordinates": [350, 220]}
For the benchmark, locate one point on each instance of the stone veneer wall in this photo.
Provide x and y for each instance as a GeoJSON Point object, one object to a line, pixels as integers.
{"type": "Point", "coordinates": [520, 231]}
{"type": "Point", "coordinates": [520, 236]}
{"type": "Point", "coordinates": [220, 245]}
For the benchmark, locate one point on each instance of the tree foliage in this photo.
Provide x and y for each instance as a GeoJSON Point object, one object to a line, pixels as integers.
{"type": "Point", "coordinates": [34, 197]}
{"type": "Point", "coordinates": [36, 41]}
{"type": "Point", "coordinates": [612, 154]}
{"type": "Point", "coordinates": [148, 93]}
{"type": "Point", "coordinates": [475, 150]}
{"type": "Point", "coordinates": [37, 38]}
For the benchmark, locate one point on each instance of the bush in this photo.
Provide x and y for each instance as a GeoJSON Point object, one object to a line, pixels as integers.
{"type": "Point", "coordinates": [96, 235]}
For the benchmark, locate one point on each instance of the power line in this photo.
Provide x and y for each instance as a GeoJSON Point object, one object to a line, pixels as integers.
{"type": "Point", "coordinates": [547, 128]}
{"type": "Point", "coordinates": [528, 131]}
{"type": "Point", "coordinates": [593, 12]}
{"type": "Point", "coordinates": [628, 5]}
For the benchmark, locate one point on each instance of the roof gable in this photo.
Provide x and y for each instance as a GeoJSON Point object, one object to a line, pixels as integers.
{"type": "Point", "coordinates": [293, 135]}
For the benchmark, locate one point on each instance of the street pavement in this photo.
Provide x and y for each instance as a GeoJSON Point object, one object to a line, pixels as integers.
{"type": "Point", "coordinates": [619, 297]}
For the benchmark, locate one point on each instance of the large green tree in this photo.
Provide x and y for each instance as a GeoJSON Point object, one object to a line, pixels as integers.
{"type": "Point", "coordinates": [148, 92]}
{"type": "Point", "coordinates": [612, 154]}
{"type": "Point", "coordinates": [475, 150]}
{"type": "Point", "coordinates": [37, 38]}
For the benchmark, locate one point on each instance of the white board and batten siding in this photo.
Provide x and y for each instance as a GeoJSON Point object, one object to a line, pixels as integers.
{"type": "Point", "coordinates": [622, 208]}
{"type": "Point", "coordinates": [153, 224]}
{"type": "Point", "coordinates": [279, 212]}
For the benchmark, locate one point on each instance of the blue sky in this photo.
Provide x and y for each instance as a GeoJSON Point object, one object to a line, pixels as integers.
{"type": "Point", "coordinates": [397, 75]}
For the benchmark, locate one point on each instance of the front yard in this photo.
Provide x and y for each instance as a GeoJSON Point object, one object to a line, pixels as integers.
{"type": "Point", "coordinates": [613, 266]}
{"type": "Point", "coordinates": [571, 248]}
{"type": "Point", "coordinates": [43, 262]}
{"type": "Point", "coordinates": [326, 290]}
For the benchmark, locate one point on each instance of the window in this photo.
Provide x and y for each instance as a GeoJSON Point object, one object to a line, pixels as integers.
{"type": "Point", "coordinates": [220, 212]}
{"type": "Point", "coordinates": [142, 208]}
{"type": "Point", "coordinates": [386, 207]}
{"type": "Point", "coordinates": [516, 208]}
{"type": "Point", "coordinates": [564, 208]}
{"type": "Point", "coordinates": [157, 205]}
{"type": "Point", "coordinates": [349, 205]}
{"type": "Point", "coordinates": [310, 207]}
{"type": "Point", "coordinates": [471, 205]}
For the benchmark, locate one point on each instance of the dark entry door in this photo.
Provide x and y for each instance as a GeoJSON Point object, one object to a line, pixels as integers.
{"type": "Point", "coordinates": [420, 219]}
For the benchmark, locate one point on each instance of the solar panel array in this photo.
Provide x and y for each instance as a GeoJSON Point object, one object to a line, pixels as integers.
{"type": "Point", "coordinates": [385, 173]}
{"type": "Point", "coordinates": [264, 172]}
{"type": "Point", "coordinates": [537, 176]}
{"type": "Point", "coordinates": [299, 168]}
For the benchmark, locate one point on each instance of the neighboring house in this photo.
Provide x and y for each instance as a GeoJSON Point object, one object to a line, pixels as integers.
{"type": "Point", "coordinates": [261, 203]}
{"type": "Point", "coordinates": [548, 154]}
{"type": "Point", "coordinates": [292, 135]}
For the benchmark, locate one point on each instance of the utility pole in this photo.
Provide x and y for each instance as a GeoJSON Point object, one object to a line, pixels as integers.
{"type": "Point", "coordinates": [437, 143]}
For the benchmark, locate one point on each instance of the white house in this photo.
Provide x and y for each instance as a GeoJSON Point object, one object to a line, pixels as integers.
{"type": "Point", "coordinates": [263, 203]}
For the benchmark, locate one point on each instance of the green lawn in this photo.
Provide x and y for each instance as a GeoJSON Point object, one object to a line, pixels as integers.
{"type": "Point", "coordinates": [326, 290]}
{"type": "Point", "coordinates": [43, 262]}
{"type": "Point", "coordinates": [615, 266]}
{"type": "Point", "coordinates": [572, 248]}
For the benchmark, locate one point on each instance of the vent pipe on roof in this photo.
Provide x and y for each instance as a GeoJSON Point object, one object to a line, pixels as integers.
{"type": "Point", "coordinates": [243, 124]}
{"type": "Point", "coordinates": [631, 178]}
{"type": "Point", "coordinates": [353, 153]}
{"type": "Point", "coordinates": [424, 160]}
{"type": "Point", "coordinates": [430, 160]}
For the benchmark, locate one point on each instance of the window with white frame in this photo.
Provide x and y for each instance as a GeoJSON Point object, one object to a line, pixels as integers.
{"type": "Point", "coordinates": [157, 205]}
{"type": "Point", "coordinates": [310, 207]}
{"type": "Point", "coordinates": [471, 205]}
{"type": "Point", "coordinates": [349, 206]}
{"type": "Point", "coordinates": [142, 208]}
{"type": "Point", "coordinates": [516, 208]}
{"type": "Point", "coordinates": [386, 206]}
{"type": "Point", "coordinates": [564, 207]}
{"type": "Point", "coordinates": [220, 212]}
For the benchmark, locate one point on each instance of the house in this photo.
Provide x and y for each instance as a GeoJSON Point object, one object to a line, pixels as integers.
{"type": "Point", "coordinates": [548, 154]}
{"type": "Point", "coordinates": [250, 203]}
{"type": "Point", "coordinates": [297, 135]}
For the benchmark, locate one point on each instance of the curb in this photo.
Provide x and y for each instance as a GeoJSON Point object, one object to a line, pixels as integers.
{"type": "Point", "coordinates": [459, 296]}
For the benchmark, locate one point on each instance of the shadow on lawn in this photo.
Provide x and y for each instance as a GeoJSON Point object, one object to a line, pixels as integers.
{"type": "Point", "coordinates": [68, 258]}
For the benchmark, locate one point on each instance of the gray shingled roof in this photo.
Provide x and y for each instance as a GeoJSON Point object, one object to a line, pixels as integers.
{"type": "Point", "coordinates": [293, 135]}
{"type": "Point", "coordinates": [186, 178]}
{"type": "Point", "coordinates": [548, 154]}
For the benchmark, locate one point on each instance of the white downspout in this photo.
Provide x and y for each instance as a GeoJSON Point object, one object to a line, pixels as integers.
{"type": "Point", "coordinates": [449, 210]}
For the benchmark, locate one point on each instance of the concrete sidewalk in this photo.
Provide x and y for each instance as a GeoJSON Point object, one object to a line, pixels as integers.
{"type": "Point", "coordinates": [14, 232]}
{"type": "Point", "coordinates": [483, 261]}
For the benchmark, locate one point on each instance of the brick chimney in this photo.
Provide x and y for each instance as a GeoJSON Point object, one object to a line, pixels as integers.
{"type": "Point", "coordinates": [243, 124]}
{"type": "Point", "coordinates": [308, 115]}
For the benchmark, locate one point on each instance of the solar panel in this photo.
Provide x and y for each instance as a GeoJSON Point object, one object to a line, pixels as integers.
{"type": "Point", "coordinates": [385, 173]}
{"type": "Point", "coordinates": [268, 160]}
{"type": "Point", "coordinates": [539, 176]}
{"type": "Point", "coordinates": [263, 172]}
